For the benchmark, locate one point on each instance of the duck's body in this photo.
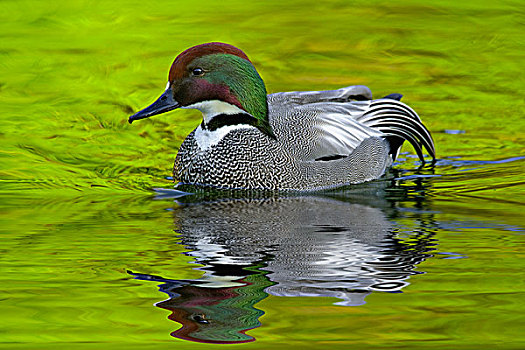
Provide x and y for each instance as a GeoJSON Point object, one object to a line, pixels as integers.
{"type": "Point", "coordinates": [318, 145]}
{"type": "Point", "coordinates": [300, 141]}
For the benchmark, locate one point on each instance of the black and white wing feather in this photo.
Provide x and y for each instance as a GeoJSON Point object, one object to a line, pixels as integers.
{"type": "Point", "coordinates": [399, 122]}
{"type": "Point", "coordinates": [338, 121]}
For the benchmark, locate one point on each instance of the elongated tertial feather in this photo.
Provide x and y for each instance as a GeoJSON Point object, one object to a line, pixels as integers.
{"type": "Point", "coordinates": [395, 118]}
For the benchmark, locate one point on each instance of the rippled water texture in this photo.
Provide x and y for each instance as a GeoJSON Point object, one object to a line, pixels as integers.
{"type": "Point", "coordinates": [98, 251]}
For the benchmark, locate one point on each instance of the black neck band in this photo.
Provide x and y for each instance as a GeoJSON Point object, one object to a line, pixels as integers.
{"type": "Point", "coordinates": [229, 119]}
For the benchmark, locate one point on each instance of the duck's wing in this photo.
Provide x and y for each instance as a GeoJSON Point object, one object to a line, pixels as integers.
{"type": "Point", "coordinates": [320, 131]}
{"type": "Point", "coordinates": [333, 130]}
{"type": "Point", "coordinates": [399, 123]}
{"type": "Point", "coordinates": [346, 94]}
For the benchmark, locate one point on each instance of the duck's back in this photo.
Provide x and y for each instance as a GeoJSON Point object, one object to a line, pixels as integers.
{"type": "Point", "coordinates": [320, 125]}
{"type": "Point", "coordinates": [328, 145]}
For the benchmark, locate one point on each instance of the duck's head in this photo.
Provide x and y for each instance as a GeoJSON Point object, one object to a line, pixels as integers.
{"type": "Point", "coordinates": [217, 79]}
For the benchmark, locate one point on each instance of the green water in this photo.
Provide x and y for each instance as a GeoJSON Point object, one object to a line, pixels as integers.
{"type": "Point", "coordinates": [93, 257]}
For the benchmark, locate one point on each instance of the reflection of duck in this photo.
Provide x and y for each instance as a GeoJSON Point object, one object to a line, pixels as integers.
{"type": "Point", "coordinates": [284, 141]}
{"type": "Point", "coordinates": [215, 309]}
{"type": "Point", "coordinates": [299, 246]}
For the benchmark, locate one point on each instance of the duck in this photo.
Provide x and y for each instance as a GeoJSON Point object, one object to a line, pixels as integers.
{"type": "Point", "coordinates": [284, 141]}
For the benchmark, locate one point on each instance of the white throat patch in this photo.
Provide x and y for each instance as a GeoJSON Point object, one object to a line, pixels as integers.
{"type": "Point", "coordinates": [206, 138]}
{"type": "Point", "coordinates": [210, 109]}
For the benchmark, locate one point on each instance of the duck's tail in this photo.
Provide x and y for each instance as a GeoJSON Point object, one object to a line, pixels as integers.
{"type": "Point", "coordinates": [399, 123]}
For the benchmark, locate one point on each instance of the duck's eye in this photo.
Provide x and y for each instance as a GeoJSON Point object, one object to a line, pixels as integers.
{"type": "Point", "coordinates": [197, 72]}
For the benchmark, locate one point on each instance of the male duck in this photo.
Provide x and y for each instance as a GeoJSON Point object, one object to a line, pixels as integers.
{"type": "Point", "coordinates": [308, 140]}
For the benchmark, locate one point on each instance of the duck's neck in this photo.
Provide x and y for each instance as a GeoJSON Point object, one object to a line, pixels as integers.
{"type": "Point", "coordinates": [215, 108]}
{"type": "Point", "coordinates": [219, 119]}
{"type": "Point", "coordinates": [217, 114]}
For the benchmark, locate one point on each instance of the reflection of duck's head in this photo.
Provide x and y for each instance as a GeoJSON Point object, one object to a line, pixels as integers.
{"type": "Point", "coordinates": [219, 312]}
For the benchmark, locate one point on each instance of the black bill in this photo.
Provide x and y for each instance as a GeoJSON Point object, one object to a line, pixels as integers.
{"type": "Point", "coordinates": [163, 104]}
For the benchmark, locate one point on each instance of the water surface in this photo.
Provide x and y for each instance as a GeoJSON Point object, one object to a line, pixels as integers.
{"type": "Point", "coordinates": [94, 255]}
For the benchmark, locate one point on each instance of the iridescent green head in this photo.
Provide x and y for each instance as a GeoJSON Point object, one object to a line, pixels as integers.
{"type": "Point", "coordinates": [213, 72]}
